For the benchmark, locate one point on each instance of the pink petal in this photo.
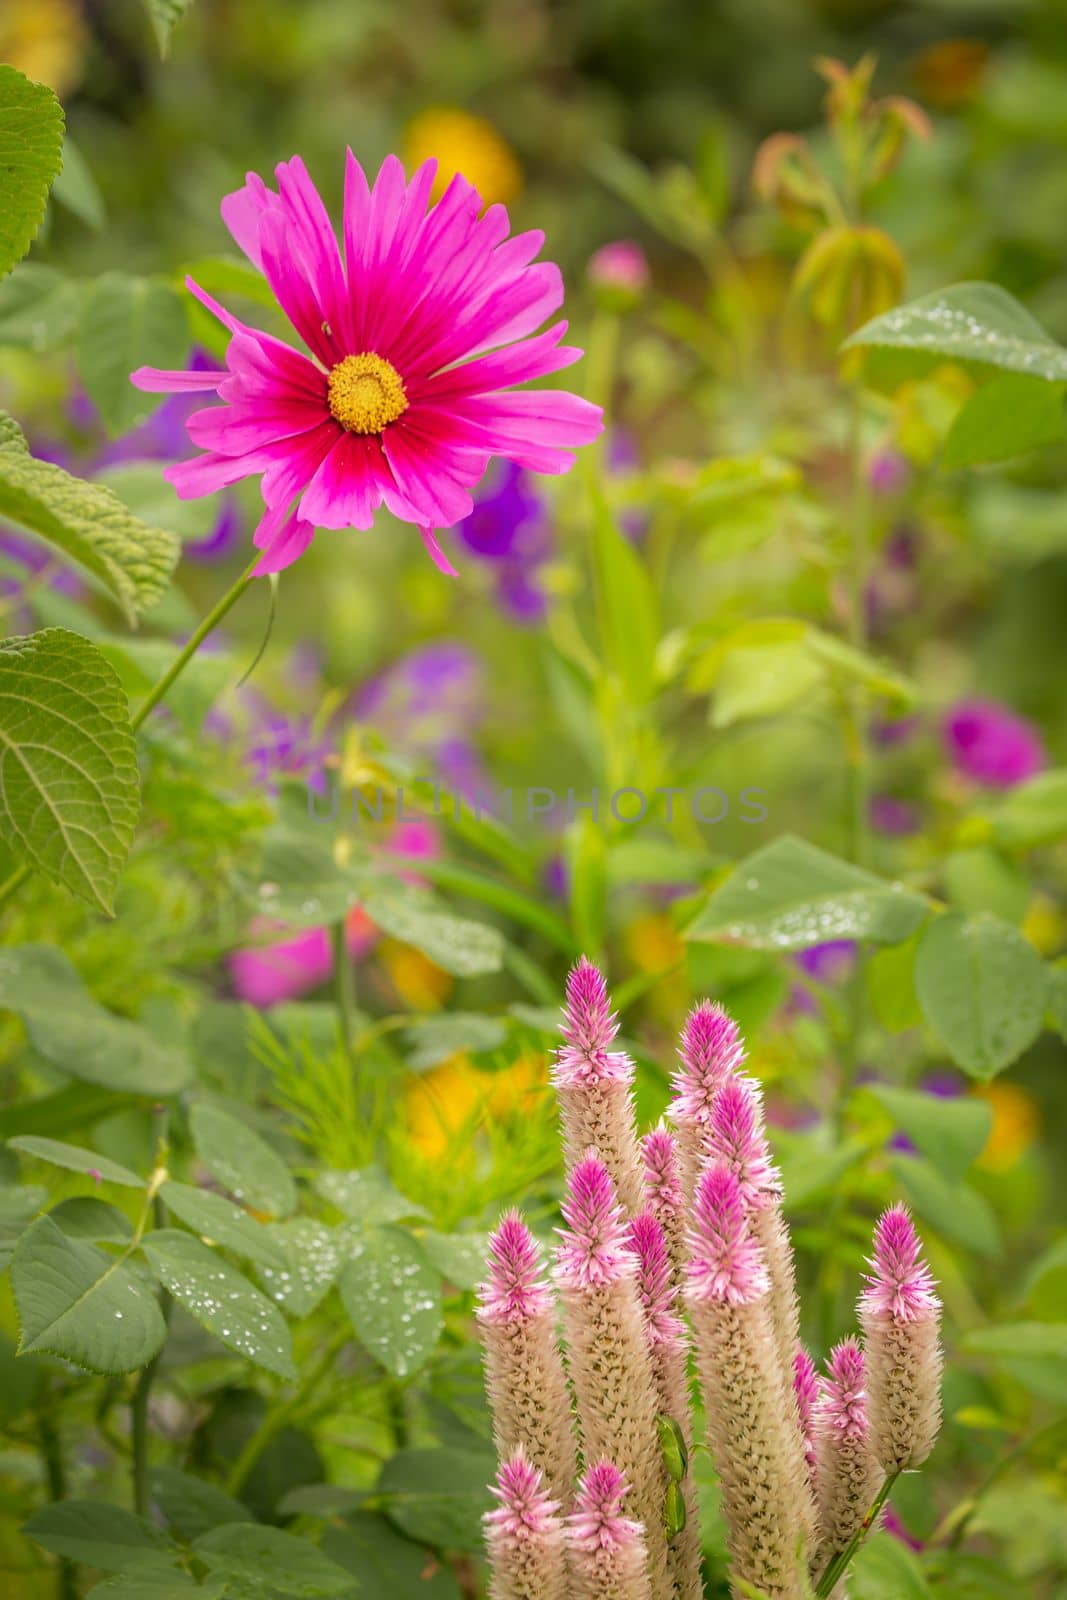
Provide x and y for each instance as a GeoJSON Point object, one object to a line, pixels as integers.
{"type": "Point", "coordinates": [234, 430]}
{"type": "Point", "coordinates": [208, 473]}
{"type": "Point", "coordinates": [346, 490]}
{"type": "Point", "coordinates": [243, 211]}
{"type": "Point", "coordinates": [227, 318]}
{"type": "Point", "coordinates": [155, 380]}
{"type": "Point", "coordinates": [437, 555]}
{"type": "Point", "coordinates": [519, 363]}
{"type": "Point", "coordinates": [295, 461]}
{"type": "Point", "coordinates": [283, 538]}
{"type": "Point", "coordinates": [294, 294]}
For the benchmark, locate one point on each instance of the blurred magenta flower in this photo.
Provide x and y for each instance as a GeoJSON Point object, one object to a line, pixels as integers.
{"type": "Point", "coordinates": [829, 962]}
{"type": "Point", "coordinates": [991, 743]}
{"type": "Point", "coordinates": [894, 817]}
{"type": "Point", "coordinates": [888, 472]}
{"type": "Point", "coordinates": [619, 266]}
{"type": "Point", "coordinates": [416, 340]}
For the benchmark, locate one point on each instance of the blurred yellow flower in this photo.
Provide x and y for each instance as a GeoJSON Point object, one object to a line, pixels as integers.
{"type": "Point", "coordinates": [1045, 925]}
{"type": "Point", "coordinates": [446, 1105]}
{"type": "Point", "coordinates": [653, 945]}
{"type": "Point", "coordinates": [418, 982]}
{"type": "Point", "coordinates": [1016, 1121]}
{"type": "Point", "coordinates": [466, 144]}
{"type": "Point", "coordinates": [45, 39]}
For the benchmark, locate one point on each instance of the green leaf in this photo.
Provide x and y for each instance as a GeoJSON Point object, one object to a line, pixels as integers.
{"type": "Point", "coordinates": [219, 1220]}
{"type": "Point", "coordinates": [1034, 1353]}
{"type": "Point", "coordinates": [75, 1033]}
{"type": "Point", "coordinates": [82, 1217]}
{"type": "Point", "coordinates": [128, 323]}
{"type": "Point", "coordinates": [980, 879]}
{"type": "Point", "coordinates": [885, 1569]}
{"type": "Point", "coordinates": [64, 1111]}
{"type": "Point", "coordinates": [366, 1196]}
{"type": "Point", "coordinates": [86, 522]}
{"type": "Point", "coordinates": [151, 1585]}
{"type": "Point", "coordinates": [301, 883]}
{"type": "Point", "coordinates": [76, 188]}
{"type": "Point", "coordinates": [393, 1299]}
{"type": "Point", "coordinates": [953, 1133]}
{"type": "Point", "coordinates": [1005, 417]}
{"type": "Point", "coordinates": [39, 307]}
{"type": "Point", "coordinates": [1034, 813]}
{"type": "Point", "coordinates": [74, 1159]}
{"type": "Point", "coordinates": [790, 895]}
{"type": "Point", "coordinates": [627, 610]}
{"type": "Point", "coordinates": [431, 1040]}
{"type": "Point", "coordinates": [957, 1212]}
{"type": "Point", "coordinates": [289, 1565]}
{"type": "Point", "coordinates": [890, 981]}
{"type": "Point", "coordinates": [192, 1506]}
{"type": "Point", "coordinates": [242, 1162]}
{"type": "Point", "coordinates": [31, 143]}
{"type": "Point", "coordinates": [76, 1302]}
{"type": "Point", "coordinates": [982, 988]}
{"type": "Point", "coordinates": [438, 1496]}
{"type": "Point", "coordinates": [979, 324]}
{"type": "Point", "coordinates": [100, 1535]}
{"type": "Point", "coordinates": [69, 795]}
{"type": "Point", "coordinates": [313, 1255]}
{"type": "Point", "coordinates": [164, 16]}
{"type": "Point", "coordinates": [385, 1563]}
{"type": "Point", "coordinates": [762, 680]}
{"type": "Point", "coordinates": [458, 1257]}
{"type": "Point", "coordinates": [465, 949]}
{"type": "Point", "coordinates": [221, 1299]}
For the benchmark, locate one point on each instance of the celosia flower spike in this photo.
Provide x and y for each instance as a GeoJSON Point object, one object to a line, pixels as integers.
{"type": "Point", "coordinates": [415, 341]}
{"type": "Point", "coordinates": [900, 1316]}
{"type": "Point", "coordinates": [594, 1086]}
{"type": "Point", "coordinates": [525, 1536]}
{"type": "Point", "coordinates": [806, 1392]}
{"type": "Point", "coordinates": [736, 1139]}
{"type": "Point", "coordinates": [663, 1187]}
{"type": "Point", "coordinates": [527, 1389]}
{"type": "Point", "coordinates": [647, 1241]}
{"type": "Point", "coordinates": [606, 1549]}
{"type": "Point", "coordinates": [593, 1248]}
{"type": "Point", "coordinates": [848, 1476]}
{"type": "Point", "coordinates": [709, 1052]}
{"type": "Point", "coordinates": [751, 1413]}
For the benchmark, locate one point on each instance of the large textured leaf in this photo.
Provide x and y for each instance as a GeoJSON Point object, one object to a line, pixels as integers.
{"type": "Point", "coordinates": [31, 143]}
{"type": "Point", "coordinates": [86, 522]}
{"type": "Point", "coordinates": [280, 1561]}
{"type": "Point", "coordinates": [976, 323]}
{"type": "Point", "coordinates": [192, 1506]}
{"type": "Point", "coordinates": [76, 1302]}
{"type": "Point", "coordinates": [791, 895]}
{"type": "Point", "coordinates": [437, 1496]}
{"type": "Point", "coordinates": [313, 1255]}
{"type": "Point", "coordinates": [221, 1299]}
{"type": "Point", "coordinates": [464, 948]}
{"type": "Point", "coordinates": [127, 323]}
{"type": "Point", "coordinates": [982, 988]}
{"type": "Point", "coordinates": [218, 1219]}
{"type": "Point", "coordinates": [74, 1159]}
{"type": "Point", "coordinates": [71, 1030]}
{"type": "Point", "coordinates": [242, 1161]}
{"type": "Point", "coordinates": [99, 1535]}
{"type": "Point", "coordinates": [69, 793]}
{"type": "Point", "coordinates": [39, 307]}
{"type": "Point", "coordinates": [393, 1298]}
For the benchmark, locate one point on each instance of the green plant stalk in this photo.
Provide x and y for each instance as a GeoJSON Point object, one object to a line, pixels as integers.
{"type": "Point", "coordinates": [833, 1574]}
{"type": "Point", "coordinates": [856, 726]}
{"type": "Point", "coordinates": [139, 1406]}
{"type": "Point", "coordinates": [157, 692]}
{"type": "Point", "coordinates": [344, 985]}
{"type": "Point", "coordinates": [276, 1420]}
{"type": "Point", "coordinates": [52, 1454]}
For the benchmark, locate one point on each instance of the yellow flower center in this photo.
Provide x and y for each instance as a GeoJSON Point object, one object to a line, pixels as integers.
{"type": "Point", "coordinates": [366, 393]}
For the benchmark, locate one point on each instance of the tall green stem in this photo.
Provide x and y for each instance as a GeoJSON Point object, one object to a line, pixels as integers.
{"type": "Point", "coordinates": [52, 1453]}
{"type": "Point", "coordinates": [139, 1407]}
{"type": "Point", "coordinates": [276, 1420]}
{"type": "Point", "coordinates": [856, 726]}
{"type": "Point", "coordinates": [344, 985]}
{"type": "Point", "coordinates": [833, 1574]}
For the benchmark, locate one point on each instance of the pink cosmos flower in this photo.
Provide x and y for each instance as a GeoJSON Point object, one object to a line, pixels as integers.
{"type": "Point", "coordinates": [415, 341]}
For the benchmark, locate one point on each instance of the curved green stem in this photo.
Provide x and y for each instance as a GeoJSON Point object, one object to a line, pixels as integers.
{"type": "Point", "coordinates": [276, 1420]}
{"type": "Point", "coordinates": [139, 1406]}
{"type": "Point", "coordinates": [344, 986]}
{"type": "Point", "coordinates": [192, 645]}
{"type": "Point", "coordinates": [833, 1574]}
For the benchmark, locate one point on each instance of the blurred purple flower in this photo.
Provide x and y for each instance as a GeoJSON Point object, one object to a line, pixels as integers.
{"type": "Point", "coordinates": [622, 461]}
{"type": "Point", "coordinates": [427, 696]}
{"type": "Point", "coordinates": [889, 732]}
{"type": "Point", "coordinates": [894, 817]}
{"type": "Point", "coordinates": [509, 527]}
{"type": "Point", "coordinates": [893, 587]}
{"type": "Point", "coordinates": [942, 1086]}
{"type": "Point", "coordinates": [896, 1529]}
{"type": "Point", "coordinates": [992, 744]}
{"type": "Point", "coordinates": [889, 472]}
{"type": "Point", "coordinates": [829, 962]}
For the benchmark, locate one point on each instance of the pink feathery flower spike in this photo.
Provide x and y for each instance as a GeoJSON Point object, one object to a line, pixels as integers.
{"type": "Point", "coordinates": [806, 1390]}
{"type": "Point", "coordinates": [594, 1086]}
{"type": "Point", "coordinates": [605, 1549]}
{"type": "Point", "coordinates": [848, 1475]}
{"type": "Point", "coordinates": [654, 1279]}
{"type": "Point", "coordinates": [735, 1139]}
{"type": "Point", "coordinates": [415, 339]}
{"type": "Point", "coordinates": [593, 1249]}
{"type": "Point", "coordinates": [710, 1050]}
{"type": "Point", "coordinates": [527, 1389]}
{"type": "Point", "coordinates": [751, 1413]}
{"type": "Point", "coordinates": [525, 1536]}
{"type": "Point", "coordinates": [663, 1186]}
{"type": "Point", "coordinates": [900, 1315]}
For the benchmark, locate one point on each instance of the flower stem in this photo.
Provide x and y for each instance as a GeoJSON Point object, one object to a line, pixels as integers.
{"type": "Point", "coordinates": [345, 989]}
{"type": "Point", "coordinates": [276, 1420]}
{"type": "Point", "coordinates": [139, 1407]}
{"type": "Point", "coordinates": [833, 1574]}
{"type": "Point", "coordinates": [192, 645]}
{"type": "Point", "coordinates": [52, 1453]}
{"type": "Point", "coordinates": [856, 727]}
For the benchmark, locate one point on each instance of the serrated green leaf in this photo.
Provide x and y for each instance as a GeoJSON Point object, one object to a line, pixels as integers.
{"type": "Point", "coordinates": [88, 523]}
{"type": "Point", "coordinates": [71, 1030]}
{"type": "Point", "coordinates": [953, 1133]}
{"type": "Point", "coordinates": [313, 1255]}
{"type": "Point", "coordinates": [242, 1162]}
{"type": "Point", "coordinates": [128, 323]}
{"type": "Point", "coordinates": [218, 1219]}
{"type": "Point", "coordinates": [149, 1585]}
{"type": "Point", "coordinates": [458, 1257]}
{"type": "Point", "coordinates": [791, 895]}
{"type": "Point", "coordinates": [221, 1299]}
{"type": "Point", "coordinates": [465, 949]}
{"type": "Point", "coordinates": [291, 1566]}
{"type": "Point", "coordinates": [1004, 418]}
{"type": "Point", "coordinates": [975, 323]}
{"type": "Point", "coordinates": [76, 188]}
{"type": "Point", "coordinates": [366, 1196]}
{"type": "Point", "coordinates": [164, 16]}
{"type": "Point", "coordinates": [384, 1562]}
{"type": "Point", "coordinates": [69, 792]}
{"type": "Point", "coordinates": [39, 307]}
{"type": "Point", "coordinates": [956, 1211]}
{"type": "Point", "coordinates": [31, 143]}
{"type": "Point", "coordinates": [82, 1217]}
{"type": "Point", "coordinates": [76, 1302]}
{"type": "Point", "coordinates": [100, 1535]}
{"type": "Point", "coordinates": [982, 988]}
{"type": "Point", "coordinates": [438, 1496]}
{"type": "Point", "coordinates": [192, 1506]}
{"type": "Point", "coordinates": [393, 1299]}
{"type": "Point", "coordinates": [75, 1159]}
